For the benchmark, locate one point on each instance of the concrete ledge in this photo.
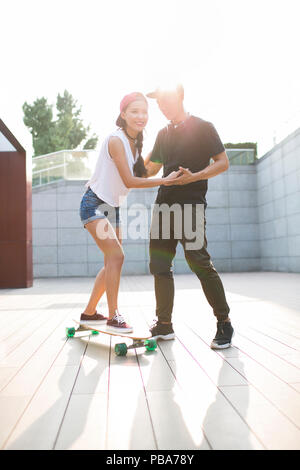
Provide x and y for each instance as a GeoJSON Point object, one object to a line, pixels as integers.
{"type": "Point", "coordinates": [72, 269]}
{"type": "Point", "coordinates": [243, 215]}
{"type": "Point", "coordinates": [44, 219]}
{"type": "Point", "coordinates": [245, 249]}
{"type": "Point", "coordinates": [244, 232]}
{"type": "Point", "coordinates": [72, 236]}
{"type": "Point", "coordinates": [45, 270]}
{"type": "Point", "coordinates": [245, 264]}
{"type": "Point", "coordinates": [44, 254]}
{"type": "Point", "coordinates": [72, 254]}
{"type": "Point", "coordinates": [44, 237]}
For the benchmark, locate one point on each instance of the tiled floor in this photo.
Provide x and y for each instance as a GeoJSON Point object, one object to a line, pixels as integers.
{"type": "Point", "coordinates": [59, 393]}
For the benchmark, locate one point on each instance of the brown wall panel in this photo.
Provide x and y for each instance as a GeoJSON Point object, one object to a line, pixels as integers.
{"type": "Point", "coordinates": [13, 266]}
{"type": "Point", "coordinates": [29, 264]}
{"type": "Point", "coordinates": [4, 194]}
{"type": "Point", "coordinates": [17, 197]}
{"type": "Point", "coordinates": [29, 211]}
{"type": "Point", "coordinates": [15, 222]}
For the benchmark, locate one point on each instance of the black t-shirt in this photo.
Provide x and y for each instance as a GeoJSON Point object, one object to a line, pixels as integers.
{"type": "Point", "coordinates": [190, 145]}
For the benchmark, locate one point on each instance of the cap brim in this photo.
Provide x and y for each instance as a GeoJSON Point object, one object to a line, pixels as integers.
{"type": "Point", "coordinates": [152, 94]}
{"type": "Point", "coordinates": [159, 92]}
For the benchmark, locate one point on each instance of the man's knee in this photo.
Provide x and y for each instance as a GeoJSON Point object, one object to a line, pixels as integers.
{"type": "Point", "coordinates": [159, 269]}
{"type": "Point", "coordinates": [199, 263]}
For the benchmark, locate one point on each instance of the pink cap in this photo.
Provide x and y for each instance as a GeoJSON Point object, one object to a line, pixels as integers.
{"type": "Point", "coordinates": [128, 99]}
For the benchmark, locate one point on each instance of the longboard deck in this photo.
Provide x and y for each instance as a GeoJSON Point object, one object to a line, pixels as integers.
{"type": "Point", "coordinates": [88, 327]}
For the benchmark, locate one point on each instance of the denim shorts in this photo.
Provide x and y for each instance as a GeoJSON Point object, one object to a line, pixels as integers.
{"type": "Point", "coordinates": [93, 208]}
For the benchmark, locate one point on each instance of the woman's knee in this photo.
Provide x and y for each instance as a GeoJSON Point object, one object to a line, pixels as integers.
{"type": "Point", "coordinates": [115, 257]}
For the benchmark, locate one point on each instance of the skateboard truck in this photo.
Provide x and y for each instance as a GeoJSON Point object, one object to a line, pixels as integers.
{"type": "Point", "coordinates": [122, 348]}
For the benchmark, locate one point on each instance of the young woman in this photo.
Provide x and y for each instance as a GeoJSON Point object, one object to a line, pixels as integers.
{"type": "Point", "coordinates": [119, 168]}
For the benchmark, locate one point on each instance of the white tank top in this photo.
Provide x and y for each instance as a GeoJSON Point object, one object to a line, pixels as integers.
{"type": "Point", "coordinates": [106, 181]}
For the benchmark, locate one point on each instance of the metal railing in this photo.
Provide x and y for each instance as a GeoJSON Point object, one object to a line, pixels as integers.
{"type": "Point", "coordinates": [63, 165]}
{"type": "Point", "coordinates": [79, 164]}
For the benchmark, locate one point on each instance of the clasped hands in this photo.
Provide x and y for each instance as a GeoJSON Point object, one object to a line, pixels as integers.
{"type": "Point", "coordinates": [179, 177]}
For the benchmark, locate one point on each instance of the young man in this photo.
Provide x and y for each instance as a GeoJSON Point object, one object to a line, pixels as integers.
{"type": "Point", "coordinates": [187, 143]}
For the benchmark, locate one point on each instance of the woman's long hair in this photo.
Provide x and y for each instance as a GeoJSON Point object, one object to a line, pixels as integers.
{"type": "Point", "coordinates": [139, 168]}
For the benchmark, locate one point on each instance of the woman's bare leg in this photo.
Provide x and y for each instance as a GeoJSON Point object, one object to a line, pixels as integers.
{"type": "Point", "coordinates": [109, 275]}
{"type": "Point", "coordinates": [97, 292]}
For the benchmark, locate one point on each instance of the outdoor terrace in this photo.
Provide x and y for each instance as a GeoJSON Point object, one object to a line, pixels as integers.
{"type": "Point", "coordinates": [67, 393]}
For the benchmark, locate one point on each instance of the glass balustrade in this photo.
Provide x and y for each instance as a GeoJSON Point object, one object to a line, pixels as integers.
{"type": "Point", "coordinates": [79, 164]}
{"type": "Point", "coordinates": [63, 165]}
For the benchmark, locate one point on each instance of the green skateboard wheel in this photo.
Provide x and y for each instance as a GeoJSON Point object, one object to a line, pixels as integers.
{"type": "Point", "coordinates": [70, 332]}
{"type": "Point", "coordinates": [150, 344]}
{"type": "Point", "coordinates": [121, 349]}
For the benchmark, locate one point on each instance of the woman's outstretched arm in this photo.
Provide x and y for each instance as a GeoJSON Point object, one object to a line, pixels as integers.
{"type": "Point", "coordinates": [117, 153]}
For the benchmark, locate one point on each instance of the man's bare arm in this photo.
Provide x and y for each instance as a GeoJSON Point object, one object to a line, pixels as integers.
{"type": "Point", "coordinates": [151, 167]}
{"type": "Point", "coordinates": [221, 163]}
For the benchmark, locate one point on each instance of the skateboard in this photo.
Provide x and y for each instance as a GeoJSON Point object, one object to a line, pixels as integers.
{"type": "Point", "coordinates": [120, 348]}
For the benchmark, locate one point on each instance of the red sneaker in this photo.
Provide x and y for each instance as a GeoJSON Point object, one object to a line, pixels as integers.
{"type": "Point", "coordinates": [96, 319]}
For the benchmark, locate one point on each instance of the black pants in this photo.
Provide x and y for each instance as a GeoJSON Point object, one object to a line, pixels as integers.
{"type": "Point", "coordinates": [162, 252]}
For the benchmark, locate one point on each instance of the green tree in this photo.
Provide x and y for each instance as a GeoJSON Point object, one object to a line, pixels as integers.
{"type": "Point", "coordinates": [67, 132]}
{"type": "Point", "coordinates": [39, 118]}
{"type": "Point", "coordinates": [91, 143]}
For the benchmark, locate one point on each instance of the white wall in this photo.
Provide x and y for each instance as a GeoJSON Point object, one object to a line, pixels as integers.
{"type": "Point", "coordinates": [278, 182]}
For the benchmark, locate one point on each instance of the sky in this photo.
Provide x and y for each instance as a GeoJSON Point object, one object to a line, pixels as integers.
{"type": "Point", "coordinates": [237, 59]}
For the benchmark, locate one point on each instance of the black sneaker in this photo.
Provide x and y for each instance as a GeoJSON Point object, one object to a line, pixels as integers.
{"type": "Point", "coordinates": [162, 331]}
{"type": "Point", "coordinates": [96, 319]}
{"type": "Point", "coordinates": [223, 337]}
